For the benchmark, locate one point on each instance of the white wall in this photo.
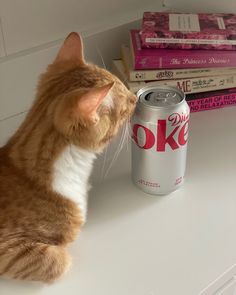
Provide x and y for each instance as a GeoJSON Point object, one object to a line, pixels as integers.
{"type": "Point", "coordinates": [29, 23]}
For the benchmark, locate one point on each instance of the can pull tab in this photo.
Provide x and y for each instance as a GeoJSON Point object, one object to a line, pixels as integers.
{"type": "Point", "coordinates": [159, 98]}
{"type": "Point", "coordinates": [155, 96]}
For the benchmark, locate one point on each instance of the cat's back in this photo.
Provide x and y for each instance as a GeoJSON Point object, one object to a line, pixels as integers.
{"type": "Point", "coordinates": [16, 188]}
{"type": "Point", "coordinates": [10, 180]}
{"type": "Point", "coordinates": [9, 185]}
{"type": "Point", "coordinates": [7, 170]}
{"type": "Point", "coordinates": [19, 195]}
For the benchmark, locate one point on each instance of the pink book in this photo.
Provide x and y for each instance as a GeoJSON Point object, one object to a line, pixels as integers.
{"type": "Point", "coordinates": [211, 100]}
{"type": "Point", "coordinates": [177, 58]}
{"type": "Point", "coordinates": [189, 31]}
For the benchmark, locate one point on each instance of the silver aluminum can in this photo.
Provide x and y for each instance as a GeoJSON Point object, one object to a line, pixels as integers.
{"type": "Point", "coordinates": [159, 139]}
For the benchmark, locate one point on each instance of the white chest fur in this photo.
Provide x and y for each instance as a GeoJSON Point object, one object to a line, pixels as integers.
{"type": "Point", "coordinates": [71, 172]}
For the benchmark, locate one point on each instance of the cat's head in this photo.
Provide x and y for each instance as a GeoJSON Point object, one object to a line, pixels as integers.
{"type": "Point", "coordinates": [86, 104]}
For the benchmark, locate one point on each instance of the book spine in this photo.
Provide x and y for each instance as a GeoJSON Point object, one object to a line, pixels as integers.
{"type": "Point", "coordinates": [208, 94]}
{"type": "Point", "coordinates": [211, 102]}
{"type": "Point", "coordinates": [142, 62]}
{"type": "Point", "coordinates": [194, 85]}
{"type": "Point", "coordinates": [176, 43]}
{"type": "Point", "coordinates": [149, 41]}
{"type": "Point", "coordinates": [168, 74]}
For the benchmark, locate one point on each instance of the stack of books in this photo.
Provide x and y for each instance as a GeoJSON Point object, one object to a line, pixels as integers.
{"type": "Point", "coordinates": [194, 52]}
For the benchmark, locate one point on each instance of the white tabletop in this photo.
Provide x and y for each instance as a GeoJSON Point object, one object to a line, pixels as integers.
{"type": "Point", "coordinates": [137, 244]}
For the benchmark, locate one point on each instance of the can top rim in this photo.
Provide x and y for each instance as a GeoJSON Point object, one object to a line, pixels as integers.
{"type": "Point", "coordinates": [141, 94]}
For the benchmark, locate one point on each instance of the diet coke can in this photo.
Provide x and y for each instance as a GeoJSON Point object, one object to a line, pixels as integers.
{"type": "Point", "coordinates": [159, 145]}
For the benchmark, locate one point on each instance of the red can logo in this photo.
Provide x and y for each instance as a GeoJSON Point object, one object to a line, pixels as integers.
{"type": "Point", "coordinates": [172, 132]}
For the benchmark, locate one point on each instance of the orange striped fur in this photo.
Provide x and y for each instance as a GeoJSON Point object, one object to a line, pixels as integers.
{"type": "Point", "coordinates": [37, 223]}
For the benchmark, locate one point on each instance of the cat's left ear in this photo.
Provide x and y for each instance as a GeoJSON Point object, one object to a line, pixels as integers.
{"type": "Point", "coordinates": [72, 49]}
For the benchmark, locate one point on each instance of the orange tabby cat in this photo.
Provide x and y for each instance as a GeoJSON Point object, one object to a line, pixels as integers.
{"type": "Point", "coordinates": [45, 166]}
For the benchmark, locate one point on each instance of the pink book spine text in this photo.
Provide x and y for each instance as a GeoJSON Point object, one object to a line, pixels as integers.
{"type": "Point", "coordinates": [212, 102]}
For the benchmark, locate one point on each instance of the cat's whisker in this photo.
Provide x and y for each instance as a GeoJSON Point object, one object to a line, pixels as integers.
{"type": "Point", "coordinates": [130, 134]}
{"type": "Point", "coordinates": [12, 116]}
{"type": "Point", "coordinates": [114, 157]}
{"type": "Point", "coordinates": [127, 135]}
{"type": "Point", "coordinates": [118, 150]}
{"type": "Point", "coordinates": [123, 139]}
{"type": "Point", "coordinates": [100, 54]}
{"type": "Point", "coordinates": [120, 146]}
{"type": "Point", "coordinates": [104, 163]}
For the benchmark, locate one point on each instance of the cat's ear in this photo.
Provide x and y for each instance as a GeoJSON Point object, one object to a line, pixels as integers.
{"type": "Point", "coordinates": [81, 107]}
{"type": "Point", "coordinates": [72, 49]}
{"type": "Point", "coordinates": [89, 103]}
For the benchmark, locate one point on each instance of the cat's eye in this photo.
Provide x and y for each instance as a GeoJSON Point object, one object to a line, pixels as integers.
{"type": "Point", "coordinates": [106, 110]}
{"type": "Point", "coordinates": [133, 99]}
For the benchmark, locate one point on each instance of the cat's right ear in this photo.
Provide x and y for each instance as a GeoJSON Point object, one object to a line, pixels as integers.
{"type": "Point", "coordinates": [72, 49]}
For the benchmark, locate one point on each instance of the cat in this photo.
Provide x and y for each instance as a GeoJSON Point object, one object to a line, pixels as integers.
{"type": "Point", "coordinates": [45, 166]}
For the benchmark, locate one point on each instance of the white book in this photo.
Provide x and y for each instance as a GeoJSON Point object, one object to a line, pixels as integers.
{"type": "Point", "coordinates": [188, 85]}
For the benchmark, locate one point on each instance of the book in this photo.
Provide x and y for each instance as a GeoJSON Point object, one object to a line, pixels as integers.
{"type": "Point", "coordinates": [167, 74]}
{"type": "Point", "coordinates": [189, 31]}
{"type": "Point", "coordinates": [177, 58]}
{"type": "Point", "coordinates": [211, 100]}
{"type": "Point", "coordinates": [191, 85]}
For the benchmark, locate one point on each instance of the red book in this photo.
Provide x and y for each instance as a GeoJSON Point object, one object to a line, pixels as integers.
{"type": "Point", "coordinates": [211, 100]}
{"type": "Point", "coordinates": [177, 58]}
